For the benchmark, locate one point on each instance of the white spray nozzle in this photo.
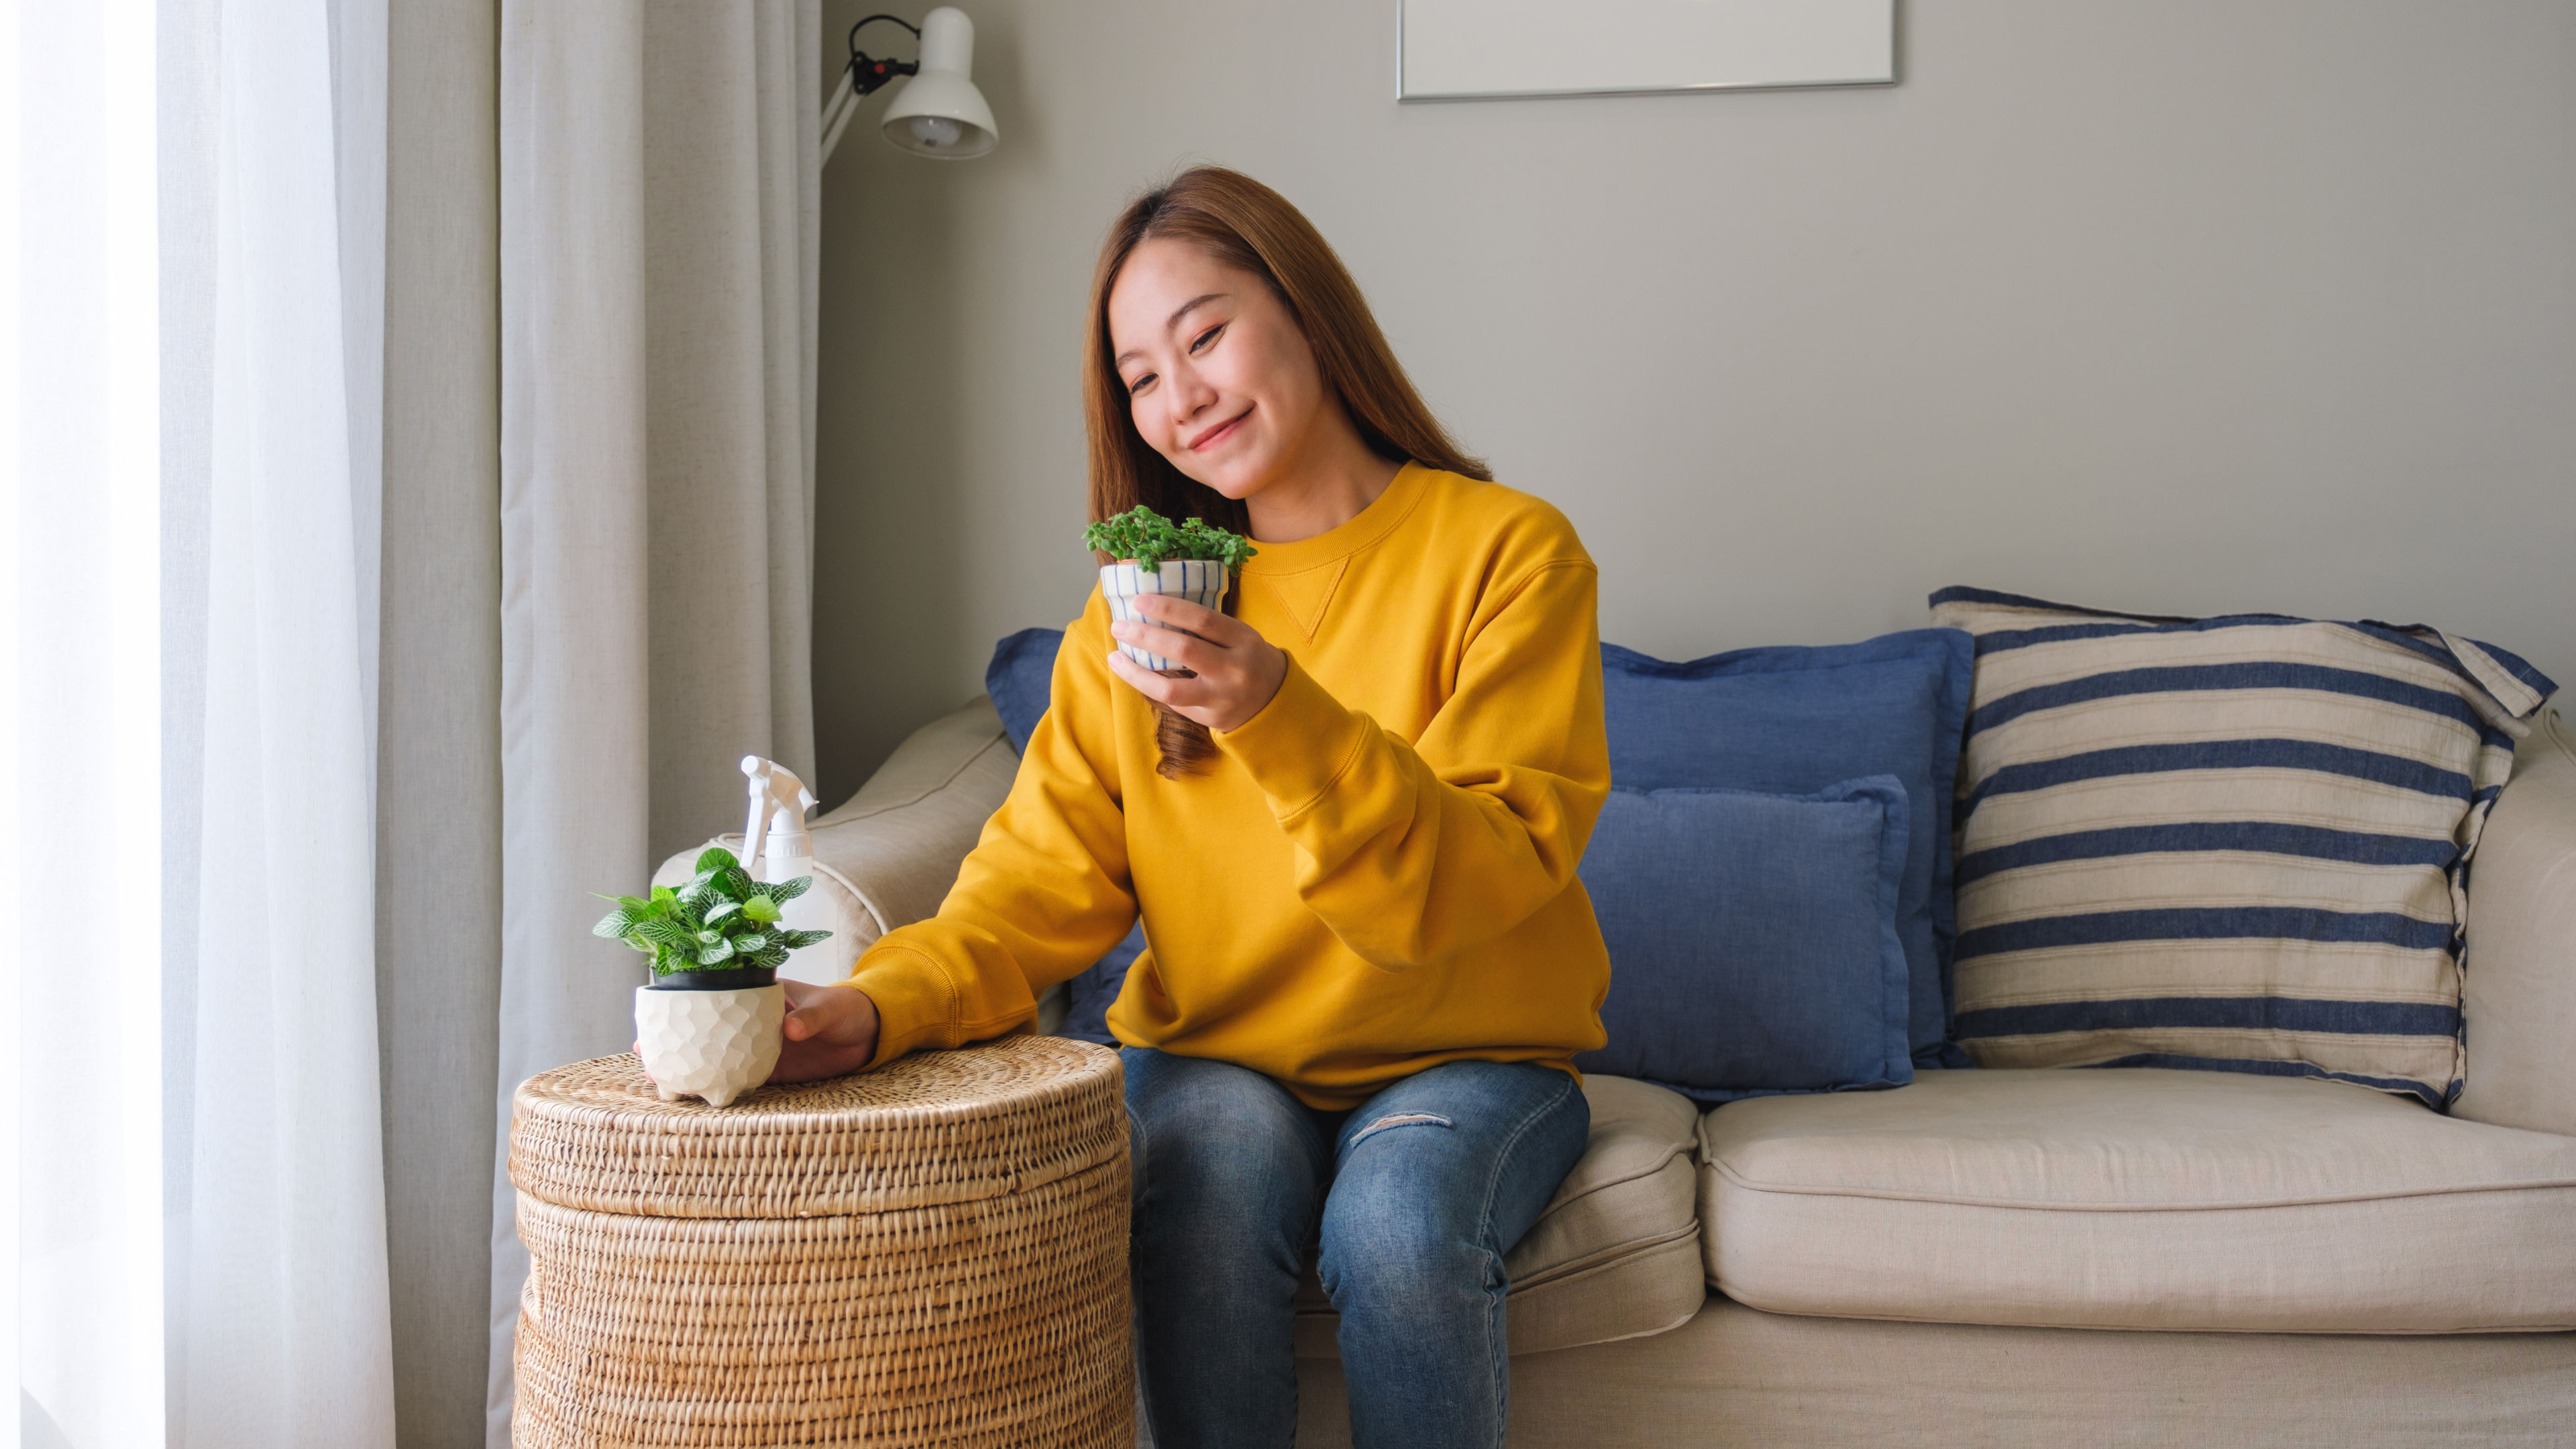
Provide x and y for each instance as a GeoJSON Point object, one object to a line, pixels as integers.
{"type": "Point", "coordinates": [775, 792]}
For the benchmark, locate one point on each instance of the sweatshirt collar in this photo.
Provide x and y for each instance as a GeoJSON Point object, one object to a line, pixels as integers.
{"type": "Point", "coordinates": [1388, 510]}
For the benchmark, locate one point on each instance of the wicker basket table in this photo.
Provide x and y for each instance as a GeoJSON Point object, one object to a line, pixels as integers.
{"type": "Point", "coordinates": [932, 1253]}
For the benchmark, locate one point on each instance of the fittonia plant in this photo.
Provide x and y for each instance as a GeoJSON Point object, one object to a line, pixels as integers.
{"type": "Point", "coordinates": [722, 920]}
{"type": "Point", "coordinates": [1153, 540]}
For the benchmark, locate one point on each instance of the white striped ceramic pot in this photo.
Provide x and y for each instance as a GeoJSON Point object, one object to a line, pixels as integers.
{"type": "Point", "coordinates": [1201, 581]}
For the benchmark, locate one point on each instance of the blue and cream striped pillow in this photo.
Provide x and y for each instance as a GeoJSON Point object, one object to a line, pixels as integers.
{"type": "Point", "coordinates": [2236, 844]}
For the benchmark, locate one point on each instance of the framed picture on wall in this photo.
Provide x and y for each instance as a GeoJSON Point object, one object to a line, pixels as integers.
{"type": "Point", "coordinates": [1479, 49]}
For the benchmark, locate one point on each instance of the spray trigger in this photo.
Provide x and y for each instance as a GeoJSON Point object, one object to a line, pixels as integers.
{"type": "Point", "coordinates": [778, 804]}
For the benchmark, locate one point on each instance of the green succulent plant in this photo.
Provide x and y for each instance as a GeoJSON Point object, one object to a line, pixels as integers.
{"type": "Point", "coordinates": [722, 920]}
{"type": "Point", "coordinates": [1153, 540]}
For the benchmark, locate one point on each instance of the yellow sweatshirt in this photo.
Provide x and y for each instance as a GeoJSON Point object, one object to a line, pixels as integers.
{"type": "Point", "coordinates": [1375, 876]}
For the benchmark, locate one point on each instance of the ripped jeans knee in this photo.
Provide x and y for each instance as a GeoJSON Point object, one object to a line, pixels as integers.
{"type": "Point", "coordinates": [1394, 1120]}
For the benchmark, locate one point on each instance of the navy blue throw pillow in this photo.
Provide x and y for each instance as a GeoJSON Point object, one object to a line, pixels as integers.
{"type": "Point", "coordinates": [1753, 943]}
{"type": "Point", "coordinates": [1020, 678]}
{"type": "Point", "coordinates": [1793, 719]}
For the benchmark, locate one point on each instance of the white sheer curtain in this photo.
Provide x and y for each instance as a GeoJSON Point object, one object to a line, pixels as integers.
{"type": "Point", "coordinates": [658, 270]}
{"type": "Point", "coordinates": [80, 1172]}
{"type": "Point", "coordinates": [287, 1337]}
{"type": "Point", "coordinates": [239, 332]}
{"type": "Point", "coordinates": [195, 409]}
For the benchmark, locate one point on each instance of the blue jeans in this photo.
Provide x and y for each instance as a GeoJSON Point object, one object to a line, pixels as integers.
{"type": "Point", "coordinates": [1415, 1196]}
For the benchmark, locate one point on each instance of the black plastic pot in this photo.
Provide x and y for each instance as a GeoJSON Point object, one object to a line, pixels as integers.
{"type": "Point", "coordinates": [717, 980]}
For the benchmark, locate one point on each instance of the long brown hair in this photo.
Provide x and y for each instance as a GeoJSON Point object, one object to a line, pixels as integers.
{"type": "Point", "coordinates": [1249, 227]}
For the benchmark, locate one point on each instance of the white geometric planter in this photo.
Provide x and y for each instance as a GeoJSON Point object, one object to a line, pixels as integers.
{"type": "Point", "coordinates": [711, 1044]}
{"type": "Point", "coordinates": [1201, 581]}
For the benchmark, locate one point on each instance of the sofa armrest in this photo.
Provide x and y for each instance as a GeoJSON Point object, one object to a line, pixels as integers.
{"type": "Point", "coordinates": [888, 855]}
{"type": "Point", "coordinates": [2520, 976]}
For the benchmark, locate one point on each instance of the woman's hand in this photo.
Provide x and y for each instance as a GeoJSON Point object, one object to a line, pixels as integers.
{"type": "Point", "coordinates": [830, 1031]}
{"type": "Point", "coordinates": [1238, 670]}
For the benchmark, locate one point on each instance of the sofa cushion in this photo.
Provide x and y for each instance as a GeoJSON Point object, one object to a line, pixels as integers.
{"type": "Point", "coordinates": [1753, 944]}
{"type": "Point", "coordinates": [1736, 1377]}
{"type": "Point", "coordinates": [2236, 843]}
{"type": "Point", "coordinates": [886, 856]}
{"type": "Point", "coordinates": [1616, 1253]}
{"type": "Point", "coordinates": [2139, 1198]}
{"type": "Point", "coordinates": [2519, 1001]}
{"type": "Point", "coordinates": [1791, 719]}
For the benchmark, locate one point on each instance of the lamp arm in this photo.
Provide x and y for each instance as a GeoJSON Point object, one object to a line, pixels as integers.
{"type": "Point", "coordinates": [863, 76]}
{"type": "Point", "coordinates": [867, 73]}
{"type": "Point", "coordinates": [836, 118]}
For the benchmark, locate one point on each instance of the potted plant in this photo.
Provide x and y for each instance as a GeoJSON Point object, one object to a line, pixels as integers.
{"type": "Point", "coordinates": [1156, 555]}
{"type": "Point", "coordinates": [707, 1025]}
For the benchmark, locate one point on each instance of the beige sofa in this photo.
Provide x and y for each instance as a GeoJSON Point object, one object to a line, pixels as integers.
{"type": "Point", "coordinates": [2013, 1257]}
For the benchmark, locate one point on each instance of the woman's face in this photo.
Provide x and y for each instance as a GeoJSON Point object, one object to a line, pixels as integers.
{"type": "Point", "coordinates": [1219, 378]}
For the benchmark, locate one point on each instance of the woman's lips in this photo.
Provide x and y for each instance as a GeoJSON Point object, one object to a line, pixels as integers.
{"type": "Point", "coordinates": [1220, 432]}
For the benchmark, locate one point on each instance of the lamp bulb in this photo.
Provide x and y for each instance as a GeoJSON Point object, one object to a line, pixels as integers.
{"type": "Point", "coordinates": [935, 132]}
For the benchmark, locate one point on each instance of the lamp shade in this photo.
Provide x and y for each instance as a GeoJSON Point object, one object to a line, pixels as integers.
{"type": "Point", "coordinates": [939, 112]}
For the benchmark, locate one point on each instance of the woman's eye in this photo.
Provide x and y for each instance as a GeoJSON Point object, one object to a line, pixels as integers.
{"type": "Point", "coordinates": [1204, 338]}
{"type": "Point", "coordinates": [1138, 385]}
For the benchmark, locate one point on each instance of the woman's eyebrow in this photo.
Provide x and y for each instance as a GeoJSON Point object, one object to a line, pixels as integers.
{"type": "Point", "coordinates": [1172, 321]}
{"type": "Point", "coordinates": [1187, 307]}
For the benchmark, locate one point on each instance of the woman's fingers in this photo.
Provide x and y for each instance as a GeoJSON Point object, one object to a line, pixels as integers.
{"type": "Point", "coordinates": [1233, 671]}
{"type": "Point", "coordinates": [1185, 651]}
{"type": "Point", "coordinates": [1189, 695]}
{"type": "Point", "coordinates": [838, 1034]}
{"type": "Point", "coordinates": [1209, 668]}
{"type": "Point", "coordinates": [1180, 691]}
{"type": "Point", "coordinates": [1146, 682]}
{"type": "Point", "coordinates": [1173, 612]}
{"type": "Point", "coordinates": [799, 1023]}
{"type": "Point", "coordinates": [1153, 637]}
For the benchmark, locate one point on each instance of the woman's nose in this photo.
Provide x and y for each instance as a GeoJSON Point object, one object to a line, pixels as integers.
{"type": "Point", "coordinates": [1190, 395]}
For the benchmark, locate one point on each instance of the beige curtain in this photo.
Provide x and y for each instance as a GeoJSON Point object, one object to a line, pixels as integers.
{"type": "Point", "coordinates": [657, 268]}
{"type": "Point", "coordinates": [438, 778]}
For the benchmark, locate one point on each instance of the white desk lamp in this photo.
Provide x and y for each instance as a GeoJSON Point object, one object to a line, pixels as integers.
{"type": "Point", "coordinates": [937, 111]}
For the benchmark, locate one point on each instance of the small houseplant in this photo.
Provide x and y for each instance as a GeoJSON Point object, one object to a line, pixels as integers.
{"type": "Point", "coordinates": [1156, 555]}
{"type": "Point", "coordinates": [707, 1025]}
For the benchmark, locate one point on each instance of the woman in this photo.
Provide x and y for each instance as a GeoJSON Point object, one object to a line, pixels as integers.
{"type": "Point", "coordinates": [1352, 832]}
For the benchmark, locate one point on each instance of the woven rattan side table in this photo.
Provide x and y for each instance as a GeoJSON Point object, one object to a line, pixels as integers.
{"type": "Point", "coordinates": [932, 1253]}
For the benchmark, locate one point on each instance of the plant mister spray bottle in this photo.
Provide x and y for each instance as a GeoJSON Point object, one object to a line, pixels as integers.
{"type": "Point", "coordinates": [784, 851]}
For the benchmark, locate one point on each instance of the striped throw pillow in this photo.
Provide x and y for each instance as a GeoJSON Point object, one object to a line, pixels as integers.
{"type": "Point", "coordinates": [2237, 844]}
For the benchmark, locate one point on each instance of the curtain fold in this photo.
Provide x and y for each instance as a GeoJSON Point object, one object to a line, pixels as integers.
{"type": "Point", "coordinates": [438, 777]}
{"type": "Point", "coordinates": [657, 374]}
{"type": "Point", "coordinates": [286, 1315]}
{"type": "Point", "coordinates": [575, 783]}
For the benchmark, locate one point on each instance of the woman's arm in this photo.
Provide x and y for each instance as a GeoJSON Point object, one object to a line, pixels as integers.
{"type": "Point", "coordinates": [1044, 893]}
{"type": "Point", "coordinates": [1413, 851]}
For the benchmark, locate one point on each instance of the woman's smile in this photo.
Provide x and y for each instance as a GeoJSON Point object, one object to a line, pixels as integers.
{"type": "Point", "coordinates": [1219, 433]}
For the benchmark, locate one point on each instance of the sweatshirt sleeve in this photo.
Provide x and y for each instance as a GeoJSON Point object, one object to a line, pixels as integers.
{"type": "Point", "coordinates": [1412, 851]}
{"type": "Point", "coordinates": [1044, 893]}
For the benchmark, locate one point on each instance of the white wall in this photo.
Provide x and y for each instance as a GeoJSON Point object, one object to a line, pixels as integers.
{"type": "Point", "coordinates": [2183, 307]}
